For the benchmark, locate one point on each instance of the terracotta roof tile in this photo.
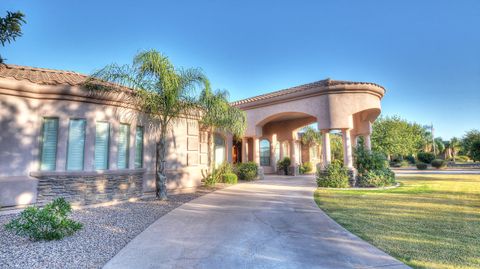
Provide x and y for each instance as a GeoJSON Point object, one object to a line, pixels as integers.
{"type": "Point", "coordinates": [320, 83]}
{"type": "Point", "coordinates": [41, 75]}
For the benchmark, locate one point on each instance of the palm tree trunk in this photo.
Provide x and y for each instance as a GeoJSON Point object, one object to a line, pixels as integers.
{"type": "Point", "coordinates": [160, 169]}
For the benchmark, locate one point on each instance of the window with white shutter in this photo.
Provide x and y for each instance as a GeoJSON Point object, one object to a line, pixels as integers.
{"type": "Point", "coordinates": [49, 144]}
{"type": "Point", "coordinates": [139, 147]}
{"type": "Point", "coordinates": [123, 146]}
{"type": "Point", "coordinates": [102, 131]}
{"type": "Point", "coordinates": [76, 144]}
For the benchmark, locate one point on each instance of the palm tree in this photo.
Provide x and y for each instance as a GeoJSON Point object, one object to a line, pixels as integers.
{"type": "Point", "coordinates": [160, 91]}
{"type": "Point", "coordinates": [311, 137]}
{"type": "Point", "coordinates": [218, 115]}
{"type": "Point", "coordinates": [454, 146]}
{"type": "Point", "coordinates": [11, 28]}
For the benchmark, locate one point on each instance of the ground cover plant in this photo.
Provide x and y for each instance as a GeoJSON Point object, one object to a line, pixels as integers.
{"type": "Point", "coordinates": [430, 221]}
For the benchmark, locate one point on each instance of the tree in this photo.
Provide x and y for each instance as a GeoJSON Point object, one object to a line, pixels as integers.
{"type": "Point", "coordinates": [454, 147]}
{"type": "Point", "coordinates": [311, 137]}
{"type": "Point", "coordinates": [336, 146]}
{"type": "Point", "coordinates": [218, 115]}
{"type": "Point", "coordinates": [470, 143]}
{"type": "Point", "coordinates": [11, 27]}
{"type": "Point", "coordinates": [160, 91]}
{"type": "Point", "coordinates": [395, 136]}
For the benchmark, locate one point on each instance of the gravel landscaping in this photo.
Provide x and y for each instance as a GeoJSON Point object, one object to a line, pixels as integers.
{"type": "Point", "coordinates": [106, 231]}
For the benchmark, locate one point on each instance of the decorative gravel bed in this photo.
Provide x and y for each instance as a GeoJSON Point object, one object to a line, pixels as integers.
{"type": "Point", "coordinates": [106, 231]}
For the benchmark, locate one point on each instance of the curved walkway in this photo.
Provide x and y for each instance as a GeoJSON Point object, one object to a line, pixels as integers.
{"type": "Point", "coordinates": [273, 223]}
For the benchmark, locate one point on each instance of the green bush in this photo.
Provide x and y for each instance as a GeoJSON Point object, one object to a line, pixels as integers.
{"type": "Point", "coordinates": [410, 159]}
{"type": "Point", "coordinates": [439, 163]}
{"type": "Point", "coordinates": [422, 166]}
{"type": "Point", "coordinates": [210, 179]}
{"type": "Point", "coordinates": [403, 163]}
{"type": "Point", "coordinates": [425, 157]}
{"type": "Point", "coordinates": [373, 168]}
{"type": "Point", "coordinates": [230, 178]}
{"type": "Point", "coordinates": [284, 164]}
{"type": "Point", "coordinates": [246, 171]}
{"type": "Point", "coordinates": [48, 223]}
{"type": "Point", "coordinates": [334, 176]}
{"type": "Point", "coordinates": [377, 178]}
{"type": "Point", "coordinates": [306, 167]}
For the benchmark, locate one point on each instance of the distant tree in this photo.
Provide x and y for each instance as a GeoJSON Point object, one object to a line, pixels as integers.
{"type": "Point", "coordinates": [160, 91]}
{"type": "Point", "coordinates": [11, 28]}
{"type": "Point", "coordinates": [336, 146]}
{"type": "Point", "coordinates": [218, 115]}
{"type": "Point", "coordinates": [470, 143]}
{"type": "Point", "coordinates": [396, 136]}
{"type": "Point", "coordinates": [454, 146]}
{"type": "Point", "coordinates": [310, 136]}
{"type": "Point", "coordinates": [440, 145]}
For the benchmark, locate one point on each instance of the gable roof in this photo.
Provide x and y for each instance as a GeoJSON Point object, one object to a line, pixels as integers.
{"type": "Point", "coordinates": [321, 83]}
{"type": "Point", "coordinates": [41, 76]}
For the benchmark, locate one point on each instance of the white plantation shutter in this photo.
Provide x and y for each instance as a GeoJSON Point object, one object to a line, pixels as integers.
{"type": "Point", "coordinates": [49, 144]}
{"type": "Point", "coordinates": [139, 147]}
{"type": "Point", "coordinates": [76, 144]}
{"type": "Point", "coordinates": [102, 130]}
{"type": "Point", "coordinates": [123, 146]}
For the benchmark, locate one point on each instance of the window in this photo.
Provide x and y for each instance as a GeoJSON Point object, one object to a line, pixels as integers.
{"type": "Point", "coordinates": [102, 131]}
{"type": "Point", "coordinates": [123, 146]}
{"type": "Point", "coordinates": [139, 147]}
{"type": "Point", "coordinates": [264, 152]}
{"type": "Point", "coordinates": [219, 149]}
{"type": "Point", "coordinates": [49, 144]}
{"type": "Point", "coordinates": [76, 144]}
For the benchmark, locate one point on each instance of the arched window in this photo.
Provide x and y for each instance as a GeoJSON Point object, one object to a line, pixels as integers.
{"type": "Point", "coordinates": [219, 149]}
{"type": "Point", "coordinates": [264, 152]}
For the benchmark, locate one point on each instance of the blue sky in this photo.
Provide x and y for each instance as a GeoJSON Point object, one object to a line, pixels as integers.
{"type": "Point", "coordinates": [426, 53]}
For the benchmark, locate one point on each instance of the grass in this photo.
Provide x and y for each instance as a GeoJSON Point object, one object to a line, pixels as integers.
{"type": "Point", "coordinates": [430, 221]}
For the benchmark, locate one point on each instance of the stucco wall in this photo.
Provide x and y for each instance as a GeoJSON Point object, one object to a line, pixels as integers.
{"type": "Point", "coordinates": [21, 115]}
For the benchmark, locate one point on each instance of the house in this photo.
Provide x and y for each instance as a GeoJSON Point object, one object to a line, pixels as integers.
{"type": "Point", "coordinates": [56, 139]}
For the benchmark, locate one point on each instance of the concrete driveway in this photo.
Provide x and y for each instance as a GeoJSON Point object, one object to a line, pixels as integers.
{"type": "Point", "coordinates": [273, 223]}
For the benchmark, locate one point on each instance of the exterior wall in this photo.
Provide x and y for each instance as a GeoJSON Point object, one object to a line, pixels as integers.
{"type": "Point", "coordinates": [23, 106]}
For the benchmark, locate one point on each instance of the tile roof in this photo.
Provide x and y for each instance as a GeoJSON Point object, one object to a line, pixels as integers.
{"type": "Point", "coordinates": [321, 83]}
{"type": "Point", "coordinates": [41, 75]}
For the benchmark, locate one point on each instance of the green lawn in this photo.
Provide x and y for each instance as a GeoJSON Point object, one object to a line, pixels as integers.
{"type": "Point", "coordinates": [430, 221]}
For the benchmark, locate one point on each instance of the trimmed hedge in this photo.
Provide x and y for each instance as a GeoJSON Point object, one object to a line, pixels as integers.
{"type": "Point", "coordinates": [425, 157]}
{"type": "Point", "coordinates": [422, 166]}
{"type": "Point", "coordinates": [439, 163]}
{"type": "Point", "coordinates": [377, 178]}
{"type": "Point", "coordinates": [246, 171]}
{"type": "Point", "coordinates": [230, 178]}
{"type": "Point", "coordinates": [334, 176]}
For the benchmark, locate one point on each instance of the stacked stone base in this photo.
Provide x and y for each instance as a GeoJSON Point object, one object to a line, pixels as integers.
{"type": "Point", "coordinates": [90, 188]}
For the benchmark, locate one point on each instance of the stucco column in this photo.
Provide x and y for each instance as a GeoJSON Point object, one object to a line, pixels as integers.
{"type": "Point", "coordinates": [273, 160]}
{"type": "Point", "coordinates": [294, 156]}
{"type": "Point", "coordinates": [326, 154]}
{"type": "Point", "coordinates": [256, 150]}
{"type": "Point", "coordinates": [244, 150]}
{"type": "Point", "coordinates": [368, 142]}
{"type": "Point", "coordinates": [229, 150]}
{"type": "Point", "coordinates": [347, 149]}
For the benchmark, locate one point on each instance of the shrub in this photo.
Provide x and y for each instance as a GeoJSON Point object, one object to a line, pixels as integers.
{"type": "Point", "coordinates": [439, 163]}
{"type": "Point", "coordinates": [246, 171]}
{"type": "Point", "coordinates": [307, 167]}
{"type": "Point", "coordinates": [421, 166]}
{"type": "Point", "coordinates": [425, 157]}
{"type": "Point", "coordinates": [461, 158]}
{"type": "Point", "coordinates": [48, 223]}
{"type": "Point", "coordinates": [284, 164]}
{"type": "Point", "coordinates": [410, 159]}
{"type": "Point", "coordinates": [373, 168]}
{"type": "Point", "coordinates": [377, 178]}
{"type": "Point", "coordinates": [210, 179]}
{"type": "Point", "coordinates": [230, 178]}
{"type": "Point", "coordinates": [334, 176]}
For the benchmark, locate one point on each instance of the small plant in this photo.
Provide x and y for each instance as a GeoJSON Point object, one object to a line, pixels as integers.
{"type": "Point", "coordinates": [230, 178]}
{"type": "Point", "coordinates": [439, 163]}
{"type": "Point", "coordinates": [210, 179]}
{"type": "Point", "coordinates": [334, 176]}
{"type": "Point", "coordinates": [48, 223]}
{"type": "Point", "coordinates": [307, 167]}
{"type": "Point", "coordinates": [425, 157]}
{"type": "Point", "coordinates": [246, 171]}
{"type": "Point", "coordinates": [284, 164]}
{"type": "Point", "coordinates": [422, 166]}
